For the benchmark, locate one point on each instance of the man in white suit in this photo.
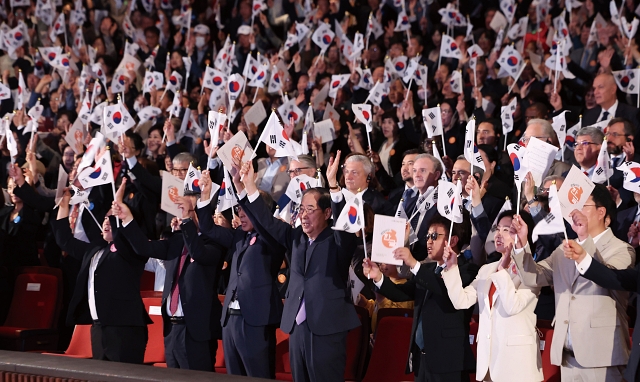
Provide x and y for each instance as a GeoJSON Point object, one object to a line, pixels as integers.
{"type": "Point", "coordinates": [591, 338]}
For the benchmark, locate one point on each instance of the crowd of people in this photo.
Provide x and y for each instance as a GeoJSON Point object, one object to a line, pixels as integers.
{"type": "Point", "coordinates": [481, 124]}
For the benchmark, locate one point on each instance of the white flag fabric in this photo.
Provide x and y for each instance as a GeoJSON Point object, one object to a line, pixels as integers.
{"type": "Point", "coordinates": [21, 99]}
{"type": "Point", "coordinates": [323, 36]}
{"type": "Point", "coordinates": [148, 113]}
{"type": "Point", "coordinates": [450, 201]}
{"type": "Point", "coordinates": [402, 24]}
{"type": "Point", "coordinates": [275, 137]}
{"type": "Point", "coordinates": [98, 72]}
{"type": "Point", "coordinates": [12, 145]}
{"type": "Point", "coordinates": [5, 92]}
{"type": "Point", "coordinates": [337, 81]}
{"type": "Point", "coordinates": [410, 71]}
{"type": "Point", "coordinates": [631, 174]}
{"type": "Point", "coordinates": [152, 79]}
{"type": "Point", "coordinates": [560, 126]}
{"type": "Point", "coordinates": [518, 29]}
{"type": "Point", "coordinates": [96, 115]}
{"type": "Point", "coordinates": [258, 6]}
{"type": "Point", "coordinates": [508, 8]}
{"type": "Point", "coordinates": [176, 106]}
{"type": "Point", "coordinates": [553, 222]}
{"type": "Point", "coordinates": [275, 83]}
{"type": "Point", "coordinates": [474, 52]}
{"type": "Point", "coordinates": [57, 28]}
{"type": "Point", "coordinates": [376, 93]}
{"type": "Point", "coordinates": [351, 217]}
{"type": "Point", "coordinates": [117, 121]}
{"type": "Point", "coordinates": [628, 80]}
{"type": "Point", "coordinates": [216, 123]}
{"type": "Point", "coordinates": [570, 139]}
{"type": "Point", "coordinates": [363, 113]}
{"type": "Point", "coordinates": [174, 81]}
{"type": "Point", "coordinates": [452, 16]}
{"type": "Point", "coordinates": [602, 170]}
{"type": "Point", "coordinates": [226, 195]}
{"type": "Point", "coordinates": [192, 179]}
{"type": "Point", "coordinates": [400, 65]}
{"type": "Point", "coordinates": [455, 81]}
{"type": "Point", "coordinates": [213, 79]}
{"type": "Point", "coordinates": [36, 111]}
{"type": "Point", "coordinates": [449, 48]}
{"type": "Point", "coordinates": [432, 121]}
{"type": "Point", "coordinates": [302, 30]}
{"type": "Point", "coordinates": [510, 60]}
{"type": "Point", "coordinates": [629, 28]}
{"type": "Point", "coordinates": [471, 153]}
{"type": "Point", "coordinates": [506, 114]}
{"type": "Point", "coordinates": [119, 81]}
{"type": "Point", "coordinates": [236, 83]}
{"type": "Point", "coordinates": [289, 110]}
{"type": "Point", "coordinates": [436, 153]}
{"type": "Point", "coordinates": [516, 155]}
{"type": "Point", "coordinates": [101, 173]}
{"type": "Point", "coordinates": [298, 185]}
{"type": "Point", "coordinates": [373, 26]}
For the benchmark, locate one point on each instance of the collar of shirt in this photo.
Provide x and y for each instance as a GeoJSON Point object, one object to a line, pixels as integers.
{"type": "Point", "coordinates": [612, 110]}
{"type": "Point", "coordinates": [595, 239]}
{"type": "Point", "coordinates": [588, 170]}
{"type": "Point", "coordinates": [275, 162]}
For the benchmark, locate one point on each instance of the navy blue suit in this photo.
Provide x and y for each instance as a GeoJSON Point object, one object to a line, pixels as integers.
{"type": "Point", "coordinates": [248, 338]}
{"type": "Point", "coordinates": [319, 274]}
{"type": "Point", "coordinates": [197, 282]}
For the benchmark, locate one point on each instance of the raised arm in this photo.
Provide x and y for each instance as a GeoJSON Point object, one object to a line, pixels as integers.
{"type": "Point", "coordinates": [461, 297]}
{"type": "Point", "coordinates": [616, 279]}
{"type": "Point", "coordinates": [205, 254]}
{"type": "Point", "coordinates": [513, 300]}
{"type": "Point", "coordinates": [532, 274]}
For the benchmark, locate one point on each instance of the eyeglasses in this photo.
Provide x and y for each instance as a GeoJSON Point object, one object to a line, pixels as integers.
{"type": "Point", "coordinates": [526, 139]}
{"type": "Point", "coordinates": [179, 170]}
{"type": "Point", "coordinates": [592, 205]}
{"type": "Point", "coordinates": [433, 236]}
{"type": "Point", "coordinates": [306, 210]}
{"type": "Point", "coordinates": [584, 144]}
{"type": "Point", "coordinates": [297, 171]}
{"type": "Point", "coordinates": [615, 135]}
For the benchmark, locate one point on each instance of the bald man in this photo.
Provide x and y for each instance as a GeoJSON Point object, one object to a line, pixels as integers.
{"type": "Point", "coordinates": [605, 92]}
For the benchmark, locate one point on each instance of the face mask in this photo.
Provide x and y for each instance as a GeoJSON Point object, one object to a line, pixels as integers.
{"type": "Point", "coordinates": [199, 42]}
{"type": "Point", "coordinates": [136, 106]}
{"type": "Point", "coordinates": [176, 20]}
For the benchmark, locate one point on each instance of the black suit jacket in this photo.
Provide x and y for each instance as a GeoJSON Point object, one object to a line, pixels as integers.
{"type": "Point", "coordinates": [419, 248]}
{"type": "Point", "coordinates": [624, 219]}
{"type": "Point", "coordinates": [625, 111]}
{"type": "Point", "coordinates": [198, 279]}
{"type": "Point", "coordinates": [116, 279]}
{"type": "Point", "coordinates": [445, 329]}
{"type": "Point", "coordinates": [620, 279]}
{"type": "Point", "coordinates": [319, 272]}
{"type": "Point", "coordinates": [378, 203]}
{"type": "Point", "coordinates": [254, 268]}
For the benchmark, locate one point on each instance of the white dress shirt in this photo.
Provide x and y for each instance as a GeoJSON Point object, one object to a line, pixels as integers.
{"type": "Point", "coordinates": [90, 284]}
{"type": "Point", "coordinates": [612, 112]}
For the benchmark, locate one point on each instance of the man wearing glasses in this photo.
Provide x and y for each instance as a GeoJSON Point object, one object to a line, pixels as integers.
{"type": "Point", "coordinates": [542, 129]}
{"type": "Point", "coordinates": [619, 133]}
{"type": "Point", "coordinates": [588, 143]}
{"type": "Point", "coordinates": [439, 349]}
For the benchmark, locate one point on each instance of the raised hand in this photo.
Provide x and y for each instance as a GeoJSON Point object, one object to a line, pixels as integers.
{"type": "Point", "coordinates": [573, 250]}
{"type": "Point", "coordinates": [580, 224]}
{"type": "Point", "coordinates": [248, 178]}
{"type": "Point", "coordinates": [371, 269]}
{"type": "Point", "coordinates": [404, 254]}
{"type": "Point", "coordinates": [519, 227]}
{"type": "Point", "coordinates": [205, 185]}
{"type": "Point", "coordinates": [450, 257]}
{"type": "Point", "coordinates": [332, 170]}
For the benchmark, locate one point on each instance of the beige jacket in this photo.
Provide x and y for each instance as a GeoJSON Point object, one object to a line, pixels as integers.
{"type": "Point", "coordinates": [595, 317]}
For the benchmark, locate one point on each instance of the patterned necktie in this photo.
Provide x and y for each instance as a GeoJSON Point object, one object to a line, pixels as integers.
{"type": "Point", "coordinates": [175, 291]}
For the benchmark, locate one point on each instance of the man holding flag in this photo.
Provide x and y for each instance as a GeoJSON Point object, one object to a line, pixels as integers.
{"type": "Point", "coordinates": [582, 348]}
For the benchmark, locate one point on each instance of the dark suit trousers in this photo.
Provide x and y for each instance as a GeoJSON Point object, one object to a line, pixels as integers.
{"type": "Point", "coordinates": [119, 343]}
{"type": "Point", "coordinates": [249, 350]}
{"type": "Point", "coordinates": [183, 352]}
{"type": "Point", "coordinates": [317, 358]}
{"type": "Point", "coordinates": [425, 376]}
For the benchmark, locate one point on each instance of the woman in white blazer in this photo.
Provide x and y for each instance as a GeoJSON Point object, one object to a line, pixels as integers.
{"type": "Point", "coordinates": [507, 338]}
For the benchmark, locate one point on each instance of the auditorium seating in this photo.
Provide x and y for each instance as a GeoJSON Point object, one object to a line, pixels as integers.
{"type": "Point", "coordinates": [33, 314]}
{"type": "Point", "coordinates": [147, 282]}
{"type": "Point", "coordinates": [155, 346]}
{"type": "Point", "coordinates": [390, 352]}
{"type": "Point", "coordinates": [473, 341]}
{"type": "Point", "coordinates": [80, 345]}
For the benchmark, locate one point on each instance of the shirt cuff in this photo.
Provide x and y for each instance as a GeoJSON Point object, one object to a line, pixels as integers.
{"type": "Point", "coordinates": [242, 194]}
{"type": "Point", "coordinates": [213, 163]}
{"type": "Point", "coordinates": [336, 197]}
{"type": "Point", "coordinates": [132, 162]}
{"type": "Point", "coordinates": [518, 251]}
{"type": "Point", "coordinates": [203, 203]}
{"type": "Point", "coordinates": [379, 283]}
{"type": "Point", "coordinates": [171, 143]}
{"type": "Point", "coordinates": [127, 223]}
{"type": "Point", "coordinates": [253, 197]}
{"type": "Point", "coordinates": [477, 210]}
{"type": "Point", "coordinates": [584, 265]}
{"type": "Point", "coordinates": [415, 268]}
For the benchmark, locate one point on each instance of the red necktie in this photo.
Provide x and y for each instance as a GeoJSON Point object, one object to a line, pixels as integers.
{"type": "Point", "coordinates": [175, 292]}
{"type": "Point", "coordinates": [586, 173]}
{"type": "Point", "coordinates": [492, 290]}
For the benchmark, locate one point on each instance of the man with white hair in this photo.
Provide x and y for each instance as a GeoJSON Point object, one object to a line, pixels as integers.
{"type": "Point", "coordinates": [358, 173]}
{"type": "Point", "coordinates": [542, 129]}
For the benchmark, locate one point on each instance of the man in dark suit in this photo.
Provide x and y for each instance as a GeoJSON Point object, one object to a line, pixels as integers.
{"type": "Point", "coordinates": [404, 178]}
{"type": "Point", "coordinates": [107, 291]}
{"type": "Point", "coordinates": [439, 347]}
{"type": "Point", "coordinates": [357, 173]}
{"type": "Point", "coordinates": [317, 312]}
{"type": "Point", "coordinates": [628, 279]}
{"type": "Point", "coordinates": [421, 208]}
{"type": "Point", "coordinates": [620, 140]}
{"type": "Point", "coordinates": [605, 92]}
{"type": "Point", "coordinates": [190, 307]}
{"type": "Point", "coordinates": [252, 306]}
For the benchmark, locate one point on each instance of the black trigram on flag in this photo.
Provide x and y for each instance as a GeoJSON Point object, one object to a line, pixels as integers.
{"type": "Point", "coordinates": [192, 174]}
{"type": "Point", "coordinates": [479, 159]}
{"type": "Point", "coordinates": [450, 192]}
{"type": "Point", "coordinates": [272, 138]}
{"type": "Point", "coordinates": [549, 218]}
{"type": "Point", "coordinates": [446, 210]}
{"type": "Point", "coordinates": [431, 115]}
{"type": "Point", "coordinates": [599, 171]}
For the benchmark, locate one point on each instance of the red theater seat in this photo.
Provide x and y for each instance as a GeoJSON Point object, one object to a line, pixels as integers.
{"type": "Point", "coordinates": [390, 352]}
{"type": "Point", "coordinates": [219, 365]}
{"type": "Point", "coordinates": [283, 366]}
{"type": "Point", "coordinates": [147, 282]}
{"type": "Point", "coordinates": [80, 345]}
{"type": "Point", "coordinates": [155, 345]}
{"type": "Point", "coordinates": [33, 315]}
{"type": "Point", "coordinates": [550, 372]}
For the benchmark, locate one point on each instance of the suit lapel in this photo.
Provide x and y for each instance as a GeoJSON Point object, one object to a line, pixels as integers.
{"type": "Point", "coordinates": [486, 287]}
{"type": "Point", "coordinates": [311, 248]}
{"type": "Point", "coordinates": [105, 253]}
{"type": "Point", "coordinates": [241, 247]}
